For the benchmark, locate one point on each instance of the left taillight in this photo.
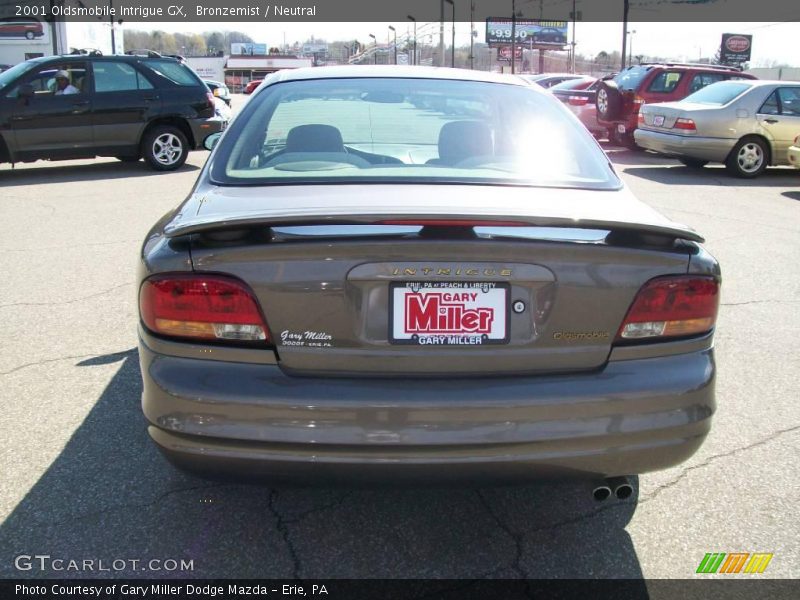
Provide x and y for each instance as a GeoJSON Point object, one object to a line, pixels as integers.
{"type": "Point", "coordinates": [670, 307]}
{"type": "Point", "coordinates": [210, 99]}
{"type": "Point", "coordinates": [201, 307]}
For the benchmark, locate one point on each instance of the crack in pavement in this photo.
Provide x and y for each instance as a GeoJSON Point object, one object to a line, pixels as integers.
{"type": "Point", "coordinates": [759, 302]}
{"type": "Point", "coordinates": [283, 529]}
{"type": "Point", "coordinates": [683, 474]}
{"type": "Point", "coordinates": [517, 538]}
{"type": "Point", "coordinates": [306, 513]}
{"type": "Point", "coordinates": [103, 293]}
{"type": "Point", "coordinates": [49, 360]}
{"type": "Point", "coordinates": [644, 500]}
{"type": "Point", "coordinates": [136, 505]}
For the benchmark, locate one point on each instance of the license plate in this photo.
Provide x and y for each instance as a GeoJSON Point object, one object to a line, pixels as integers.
{"type": "Point", "coordinates": [621, 128]}
{"type": "Point", "coordinates": [448, 313]}
{"type": "Point", "coordinates": [658, 120]}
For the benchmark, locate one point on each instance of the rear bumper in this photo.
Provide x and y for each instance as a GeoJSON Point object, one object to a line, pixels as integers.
{"type": "Point", "coordinates": [222, 418]}
{"type": "Point", "coordinates": [713, 149]}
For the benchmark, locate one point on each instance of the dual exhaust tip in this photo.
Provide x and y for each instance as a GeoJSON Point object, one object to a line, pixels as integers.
{"type": "Point", "coordinates": [618, 486]}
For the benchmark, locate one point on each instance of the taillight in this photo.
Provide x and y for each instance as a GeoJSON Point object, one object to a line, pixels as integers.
{"type": "Point", "coordinates": [210, 99]}
{"type": "Point", "coordinates": [640, 119]}
{"type": "Point", "coordinates": [638, 100]}
{"type": "Point", "coordinates": [577, 100]}
{"type": "Point", "coordinates": [685, 124]}
{"type": "Point", "coordinates": [207, 307]}
{"type": "Point", "coordinates": [669, 307]}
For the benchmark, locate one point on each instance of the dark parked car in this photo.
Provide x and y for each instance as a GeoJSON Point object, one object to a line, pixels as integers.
{"type": "Point", "coordinates": [549, 35]}
{"type": "Point", "coordinates": [579, 95]}
{"type": "Point", "coordinates": [130, 107]}
{"type": "Point", "coordinates": [219, 89]}
{"type": "Point", "coordinates": [362, 284]}
{"type": "Point", "coordinates": [548, 80]}
{"type": "Point", "coordinates": [619, 97]}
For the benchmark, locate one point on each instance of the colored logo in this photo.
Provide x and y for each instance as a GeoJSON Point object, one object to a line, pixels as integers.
{"type": "Point", "coordinates": [737, 43]}
{"type": "Point", "coordinates": [734, 562]}
{"type": "Point", "coordinates": [446, 313]}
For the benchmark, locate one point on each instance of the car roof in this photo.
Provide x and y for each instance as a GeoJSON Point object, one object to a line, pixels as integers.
{"type": "Point", "coordinates": [394, 71]}
{"type": "Point", "coordinates": [98, 57]}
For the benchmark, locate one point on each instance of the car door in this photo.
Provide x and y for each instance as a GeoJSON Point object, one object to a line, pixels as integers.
{"type": "Point", "coordinates": [46, 125]}
{"type": "Point", "coordinates": [779, 117]}
{"type": "Point", "coordinates": [124, 100]}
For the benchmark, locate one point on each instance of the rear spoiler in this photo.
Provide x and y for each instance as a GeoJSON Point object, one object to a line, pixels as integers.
{"type": "Point", "coordinates": [438, 221]}
{"type": "Point", "coordinates": [246, 208]}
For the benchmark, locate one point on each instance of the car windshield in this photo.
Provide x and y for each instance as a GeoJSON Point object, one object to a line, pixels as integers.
{"type": "Point", "coordinates": [718, 93]}
{"type": "Point", "coordinates": [7, 77]}
{"type": "Point", "coordinates": [630, 78]}
{"type": "Point", "coordinates": [408, 130]}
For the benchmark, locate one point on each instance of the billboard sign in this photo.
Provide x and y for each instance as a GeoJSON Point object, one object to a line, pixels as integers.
{"type": "Point", "coordinates": [28, 30]}
{"type": "Point", "coordinates": [531, 33]}
{"type": "Point", "coordinates": [248, 49]}
{"type": "Point", "coordinates": [735, 48]}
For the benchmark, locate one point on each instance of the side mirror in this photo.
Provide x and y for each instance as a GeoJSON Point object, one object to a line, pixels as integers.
{"type": "Point", "coordinates": [212, 140]}
{"type": "Point", "coordinates": [25, 91]}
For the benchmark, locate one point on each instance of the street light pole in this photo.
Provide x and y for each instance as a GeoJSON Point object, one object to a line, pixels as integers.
{"type": "Point", "coordinates": [630, 48]}
{"type": "Point", "coordinates": [453, 42]}
{"type": "Point", "coordinates": [414, 58]}
{"type": "Point", "coordinates": [374, 49]}
{"type": "Point", "coordinates": [111, 21]}
{"type": "Point", "coordinates": [394, 46]}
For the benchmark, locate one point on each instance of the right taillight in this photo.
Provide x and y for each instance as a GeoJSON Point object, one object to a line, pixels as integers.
{"type": "Point", "coordinates": [201, 307]}
{"type": "Point", "coordinates": [670, 307]}
{"type": "Point", "coordinates": [685, 124]}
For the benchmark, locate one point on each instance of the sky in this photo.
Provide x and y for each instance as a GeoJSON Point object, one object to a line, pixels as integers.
{"type": "Point", "coordinates": [772, 42]}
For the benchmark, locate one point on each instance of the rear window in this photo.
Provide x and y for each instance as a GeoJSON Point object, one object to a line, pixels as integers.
{"type": "Point", "coordinates": [630, 78]}
{"type": "Point", "coordinates": [177, 73]}
{"type": "Point", "coordinates": [408, 130]}
{"type": "Point", "coordinates": [718, 94]}
{"type": "Point", "coordinates": [570, 84]}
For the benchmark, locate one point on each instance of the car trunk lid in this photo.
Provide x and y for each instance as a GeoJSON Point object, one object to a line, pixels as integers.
{"type": "Point", "coordinates": [333, 282]}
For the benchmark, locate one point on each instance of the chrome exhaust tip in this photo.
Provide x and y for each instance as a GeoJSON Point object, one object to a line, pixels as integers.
{"type": "Point", "coordinates": [621, 487]}
{"type": "Point", "coordinates": [601, 493]}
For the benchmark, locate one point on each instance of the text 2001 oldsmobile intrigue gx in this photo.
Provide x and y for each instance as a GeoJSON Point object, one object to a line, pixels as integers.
{"type": "Point", "coordinates": [389, 272]}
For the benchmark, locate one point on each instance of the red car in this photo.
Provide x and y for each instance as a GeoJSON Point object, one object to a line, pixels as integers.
{"type": "Point", "coordinates": [251, 87]}
{"type": "Point", "coordinates": [620, 97]}
{"type": "Point", "coordinates": [21, 28]}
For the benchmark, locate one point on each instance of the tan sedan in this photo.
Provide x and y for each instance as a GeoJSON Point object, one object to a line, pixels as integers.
{"type": "Point", "coordinates": [748, 125]}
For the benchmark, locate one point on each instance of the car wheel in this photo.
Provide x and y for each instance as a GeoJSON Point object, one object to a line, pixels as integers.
{"type": "Point", "coordinates": [608, 102]}
{"type": "Point", "coordinates": [165, 148]}
{"type": "Point", "coordinates": [748, 158]}
{"type": "Point", "coordinates": [694, 163]}
{"type": "Point", "coordinates": [29, 35]}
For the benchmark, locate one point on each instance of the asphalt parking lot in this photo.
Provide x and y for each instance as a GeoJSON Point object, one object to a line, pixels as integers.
{"type": "Point", "coordinates": [80, 479]}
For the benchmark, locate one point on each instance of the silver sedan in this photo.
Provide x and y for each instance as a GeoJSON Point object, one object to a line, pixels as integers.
{"type": "Point", "coordinates": [748, 125]}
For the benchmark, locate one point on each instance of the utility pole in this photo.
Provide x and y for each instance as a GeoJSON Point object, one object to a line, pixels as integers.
{"type": "Point", "coordinates": [453, 39]}
{"type": "Point", "coordinates": [574, 21]}
{"type": "Point", "coordinates": [471, 33]}
{"type": "Point", "coordinates": [441, 33]}
{"type": "Point", "coordinates": [111, 22]}
{"type": "Point", "coordinates": [513, 36]}
{"type": "Point", "coordinates": [625, 8]}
